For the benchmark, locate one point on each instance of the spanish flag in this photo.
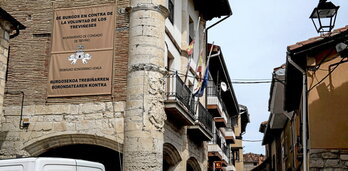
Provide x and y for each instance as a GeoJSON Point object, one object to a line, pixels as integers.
{"type": "Point", "coordinates": [200, 65]}
{"type": "Point", "coordinates": [203, 84]}
{"type": "Point", "coordinates": [190, 48]}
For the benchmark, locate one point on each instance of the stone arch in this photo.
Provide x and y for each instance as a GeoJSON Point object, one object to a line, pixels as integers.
{"type": "Point", "coordinates": [171, 157]}
{"type": "Point", "coordinates": [192, 165]}
{"type": "Point", "coordinates": [38, 147]}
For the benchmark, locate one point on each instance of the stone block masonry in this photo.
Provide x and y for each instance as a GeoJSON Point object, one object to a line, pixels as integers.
{"type": "Point", "coordinates": [33, 46]}
{"type": "Point", "coordinates": [28, 72]}
{"type": "Point", "coordinates": [145, 116]}
{"type": "Point", "coordinates": [130, 121]}
{"type": "Point", "coordinates": [47, 121]}
{"type": "Point", "coordinates": [4, 50]}
{"type": "Point", "coordinates": [325, 159]}
{"type": "Point", "coordinates": [186, 148]}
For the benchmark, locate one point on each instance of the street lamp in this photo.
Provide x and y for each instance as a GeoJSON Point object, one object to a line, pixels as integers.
{"type": "Point", "coordinates": [324, 16]}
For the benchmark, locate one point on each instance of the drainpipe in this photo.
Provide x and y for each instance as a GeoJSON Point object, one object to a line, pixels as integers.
{"type": "Point", "coordinates": [304, 110]}
{"type": "Point", "coordinates": [211, 26]}
{"type": "Point", "coordinates": [22, 105]}
{"type": "Point", "coordinates": [15, 34]}
{"type": "Point", "coordinates": [218, 22]}
{"type": "Point", "coordinates": [206, 38]}
{"type": "Point", "coordinates": [216, 54]}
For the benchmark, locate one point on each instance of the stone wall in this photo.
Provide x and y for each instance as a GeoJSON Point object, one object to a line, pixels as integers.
{"type": "Point", "coordinates": [328, 160]}
{"type": "Point", "coordinates": [239, 165]}
{"type": "Point", "coordinates": [46, 121]}
{"type": "Point", "coordinates": [187, 148]}
{"type": "Point", "coordinates": [28, 74]}
{"type": "Point", "coordinates": [4, 50]}
{"type": "Point", "coordinates": [30, 51]}
{"type": "Point", "coordinates": [55, 122]}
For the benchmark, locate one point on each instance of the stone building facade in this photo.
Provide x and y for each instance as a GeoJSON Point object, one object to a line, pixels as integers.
{"type": "Point", "coordinates": [240, 129]}
{"type": "Point", "coordinates": [139, 124]}
{"type": "Point", "coordinates": [8, 25]}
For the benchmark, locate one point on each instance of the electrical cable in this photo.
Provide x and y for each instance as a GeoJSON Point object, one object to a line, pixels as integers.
{"type": "Point", "coordinates": [252, 79]}
{"type": "Point", "coordinates": [324, 59]}
{"type": "Point", "coordinates": [330, 72]}
{"type": "Point", "coordinates": [252, 140]}
{"type": "Point", "coordinates": [251, 82]}
{"type": "Point", "coordinates": [242, 81]}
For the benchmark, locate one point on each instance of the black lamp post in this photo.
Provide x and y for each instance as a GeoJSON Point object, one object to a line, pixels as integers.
{"type": "Point", "coordinates": [324, 16]}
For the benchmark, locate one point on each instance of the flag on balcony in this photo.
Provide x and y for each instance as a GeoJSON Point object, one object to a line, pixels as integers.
{"type": "Point", "coordinates": [189, 51]}
{"type": "Point", "coordinates": [190, 48]}
{"type": "Point", "coordinates": [200, 66]}
{"type": "Point", "coordinates": [199, 69]}
{"type": "Point", "coordinates": [203, 83]}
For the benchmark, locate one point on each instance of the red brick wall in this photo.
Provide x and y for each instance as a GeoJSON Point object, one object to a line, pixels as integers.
{"type": "Point", "coordinates": [30, 51]}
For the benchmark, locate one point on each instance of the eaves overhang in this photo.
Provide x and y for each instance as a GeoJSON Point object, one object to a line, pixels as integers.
{"type": "Point", "coordinates": [276, 100]}
{"type": "Point", "coordinates": [218, 71]}
{"type": "Point", "coordinates": [213, 8]}
{"type": "Point", "coordinates": [299, 53]}
{"type": "Point", "coordinates": [276, 97]}
{"type": "Point", "coordinates": [245, 118]}
{"type": "Point", "coordinates": [15, 24]}
{"type": "Point", "coordinates": [270, 134]}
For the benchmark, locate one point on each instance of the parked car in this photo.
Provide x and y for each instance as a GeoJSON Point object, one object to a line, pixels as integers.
{"type": "Point", "coordinates": [49, 164]}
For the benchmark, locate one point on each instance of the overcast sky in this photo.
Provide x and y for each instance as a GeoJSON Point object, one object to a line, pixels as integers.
{"type": "Point", "coordinates": [254, 41]}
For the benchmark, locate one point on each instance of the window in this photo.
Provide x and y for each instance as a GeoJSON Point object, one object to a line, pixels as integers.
{"type": "Point", "coordinates": [235, 156]}
{"type": "Point", "coordinates": [170, 62]}
{"type": "Point", "coordinates": [191, 30]}
{"type": "Point", "coordinates": [171, 10]}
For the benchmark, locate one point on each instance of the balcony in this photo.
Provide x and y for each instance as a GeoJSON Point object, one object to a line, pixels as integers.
{"type": "Point", "coordinates": [183, 109]}
{"type": "Point", "coordinates": [203, 128]}
{"type": "Point", "coordinates": [217, 150]}
{"type": "Point", "coordinates": [229, 135]}
{"type": "Point", "coordinates": [216, 106]}
{"type": "Point", "coordinates": [179, 104]}
{"type": "Point", "coordinates": [276, 105]}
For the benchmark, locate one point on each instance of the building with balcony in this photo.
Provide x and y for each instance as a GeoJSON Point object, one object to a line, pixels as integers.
{"type": "Point", "coordinates": [276, 129]}
{"type": "Point", "coordinates": [111, 81]}
{"type": "Point", "coordinates": [226, 113]}
{"type": "Point", "coordinates": [239, 126]}
{"type": "Point", "coordinates": [307, 123]}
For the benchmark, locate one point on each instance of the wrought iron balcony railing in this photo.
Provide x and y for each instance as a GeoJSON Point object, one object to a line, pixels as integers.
{"type": "Point", "coordinates": [177, 90]}
{"type": "Point", "coordinates": [217, 138]}
{"type": "Point", "coordinates": [213, 91]}
{"type": "Point", "coordinates": [225, 150]}
{"type": "Point", "coordinates": [205, 117]}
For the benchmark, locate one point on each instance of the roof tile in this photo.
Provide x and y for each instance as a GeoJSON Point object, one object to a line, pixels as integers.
{"type": "Point", "coordinates": [317, 38]}
{"type": "Point", "coordinates": [252, 157]}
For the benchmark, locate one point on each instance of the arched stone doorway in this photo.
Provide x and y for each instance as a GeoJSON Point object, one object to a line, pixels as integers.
{"type": "Point", "coordinates": [171, 157]}
{"type": "Point", "coordinates": [111, 159]}
{"type": "Point", "coordinates": [80, 146]}
{"type": "Point", "coordinates": [192, 165]}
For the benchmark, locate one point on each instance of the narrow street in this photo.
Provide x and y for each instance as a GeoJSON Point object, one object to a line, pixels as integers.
{"type": "Point", "coordinates": [173, 85]}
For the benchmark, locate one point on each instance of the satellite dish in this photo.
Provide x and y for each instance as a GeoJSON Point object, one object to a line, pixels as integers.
{"type": "Point", "coordinates": [223, 86]}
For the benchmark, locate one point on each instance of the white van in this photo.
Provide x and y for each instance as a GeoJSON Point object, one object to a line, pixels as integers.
{"type": "Point", "coordinates": [49, 164]}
